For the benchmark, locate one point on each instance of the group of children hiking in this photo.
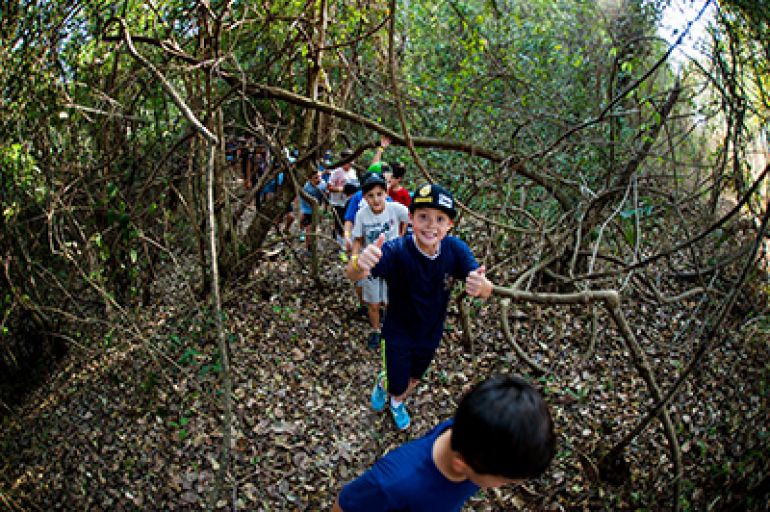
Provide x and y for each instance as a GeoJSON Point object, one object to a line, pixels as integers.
{"type": "Point", "coordinates": [502, 431]}
{"type": "Point", "coordinates": [403, 258]}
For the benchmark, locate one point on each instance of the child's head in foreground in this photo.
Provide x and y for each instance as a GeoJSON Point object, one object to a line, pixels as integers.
{"type": "Point", "coordinates": [503, 432]}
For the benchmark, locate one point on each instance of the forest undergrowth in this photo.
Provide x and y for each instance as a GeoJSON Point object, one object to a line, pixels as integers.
{"type": "Point", "coordinates": [133, 422]}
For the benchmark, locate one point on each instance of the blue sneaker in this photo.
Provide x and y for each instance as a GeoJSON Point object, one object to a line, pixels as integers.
{"type": "Point", "coordinates": [400, 416]}
{"type": "Point", "coordinates": [379, 395]}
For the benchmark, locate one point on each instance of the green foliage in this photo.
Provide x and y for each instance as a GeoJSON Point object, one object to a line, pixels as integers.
{"type": "Point", "coordinates": [22, 182]}
{"type": "Point", "coordinates": [747, 24]}
{"type": "Point", "coordinates": [93, 179]}
{"type": "Point", "coordinates": [181, 432]}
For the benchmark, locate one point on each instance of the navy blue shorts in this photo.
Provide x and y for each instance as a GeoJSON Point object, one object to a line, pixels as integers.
{"type": "Point", "coordinates": [403, 362]}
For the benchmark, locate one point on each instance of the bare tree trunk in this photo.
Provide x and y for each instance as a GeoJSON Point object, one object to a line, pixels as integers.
{"type": "Point", "coordinates": [308, 130]}
{"type": "Point", "coordinates": [228, 238]}
{"type": "Point", "coordinates": [224, 349]}
{"type": "Point", "coordinates": [193, 193]}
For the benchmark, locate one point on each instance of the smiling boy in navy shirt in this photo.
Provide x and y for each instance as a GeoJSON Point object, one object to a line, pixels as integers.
{"type": "Point", "coordinates": [420, 269]}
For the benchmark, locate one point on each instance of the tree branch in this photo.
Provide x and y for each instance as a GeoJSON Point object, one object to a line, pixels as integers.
{"type": "Point", "coordinates": [611, 301]}
{"type": "Point", "coordinates": [265, 91]}
{"type": "Point", "coordinates": [188, 114]}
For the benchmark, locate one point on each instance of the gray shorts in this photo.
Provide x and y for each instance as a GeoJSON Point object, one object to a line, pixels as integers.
{"type": "Point", "coordinates": [375, 290]}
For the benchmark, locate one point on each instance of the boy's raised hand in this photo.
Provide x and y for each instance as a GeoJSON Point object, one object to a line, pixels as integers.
{"type": "Point", "coordinates": [371, 254]}
{"type": "Point", "coordinates": [477, 284]}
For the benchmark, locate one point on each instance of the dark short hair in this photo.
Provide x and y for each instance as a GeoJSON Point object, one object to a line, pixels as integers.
{"type": "Point", "coordinates": [350, 188]}
{"type": "Point", "coordinates": [503, 427]}
{"type": "Point", "coordinates": [399, 169]}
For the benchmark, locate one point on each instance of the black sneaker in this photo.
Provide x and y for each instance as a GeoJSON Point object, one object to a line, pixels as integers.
{"type": "Point", "coordinates": [373, 342]}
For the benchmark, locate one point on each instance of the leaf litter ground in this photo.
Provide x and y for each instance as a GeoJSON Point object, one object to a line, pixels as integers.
{"type": "Point", "coordinates": [136, 424]}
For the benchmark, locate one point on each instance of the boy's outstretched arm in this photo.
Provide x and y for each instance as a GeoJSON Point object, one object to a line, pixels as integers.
{"type": "Point", "coordinates": [477, 284]}
{"type": "Point", "coordinates": [384, 143]}
{"type": "Point", "coordinates": [359, 267]}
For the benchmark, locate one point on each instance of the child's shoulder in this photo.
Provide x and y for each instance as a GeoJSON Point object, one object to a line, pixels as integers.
{"type": "Point", "coordinates": [396, 207]}
{"type": "Point", "coordinates": [455, 246]}
{"type": "Point", "coordinates": [459, 244]}
{"type": "Point", "coordinates": [455, 241]}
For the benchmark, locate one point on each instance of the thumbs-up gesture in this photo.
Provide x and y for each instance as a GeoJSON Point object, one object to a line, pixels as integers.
{"type": "Point", "coordinates": [371, 255]}
{"type": "Point", "coordinates": [477, 284]}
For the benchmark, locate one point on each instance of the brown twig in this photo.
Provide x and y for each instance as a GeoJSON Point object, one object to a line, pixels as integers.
{"type": "Point", "coordinates": [505, 306]}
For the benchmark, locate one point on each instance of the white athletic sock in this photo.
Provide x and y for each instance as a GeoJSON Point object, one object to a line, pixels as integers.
{"type": "Point", "coordinates": [394, 403]}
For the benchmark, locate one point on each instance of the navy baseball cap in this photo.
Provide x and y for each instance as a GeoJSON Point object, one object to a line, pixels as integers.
{"type": "Point", "coordinates": [434, 196]}
{"type": "Point", "coordinates": [371, 180]}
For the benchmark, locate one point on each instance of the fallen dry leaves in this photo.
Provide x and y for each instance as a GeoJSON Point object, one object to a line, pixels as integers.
{"type": "Point", "coordinates": [136, 432]}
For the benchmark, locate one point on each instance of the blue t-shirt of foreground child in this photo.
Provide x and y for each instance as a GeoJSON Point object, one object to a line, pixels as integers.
{"type": "Point", "coordinates": [419, 288]}
{"type": "Point", "coordinates": [407, 480]}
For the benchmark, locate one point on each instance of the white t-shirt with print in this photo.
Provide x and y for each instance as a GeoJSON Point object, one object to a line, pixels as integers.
{"type": "Point", "coordinates": [370, 225]}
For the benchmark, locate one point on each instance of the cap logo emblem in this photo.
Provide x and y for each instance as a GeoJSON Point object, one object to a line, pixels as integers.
{"type": "Point", "coordinates": [425, 191]}
{"type": "Point", "coordinates": [445, 201]}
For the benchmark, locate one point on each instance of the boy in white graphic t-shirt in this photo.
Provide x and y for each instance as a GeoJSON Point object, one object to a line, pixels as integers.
{"type": "Point", "coordinates": [377, 217]}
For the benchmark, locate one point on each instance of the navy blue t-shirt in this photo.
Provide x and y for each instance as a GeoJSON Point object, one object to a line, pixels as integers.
{"type": "Point", "coordinates": [419, 288]}
{"type": "Point", "coordinates": [407, 480]}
